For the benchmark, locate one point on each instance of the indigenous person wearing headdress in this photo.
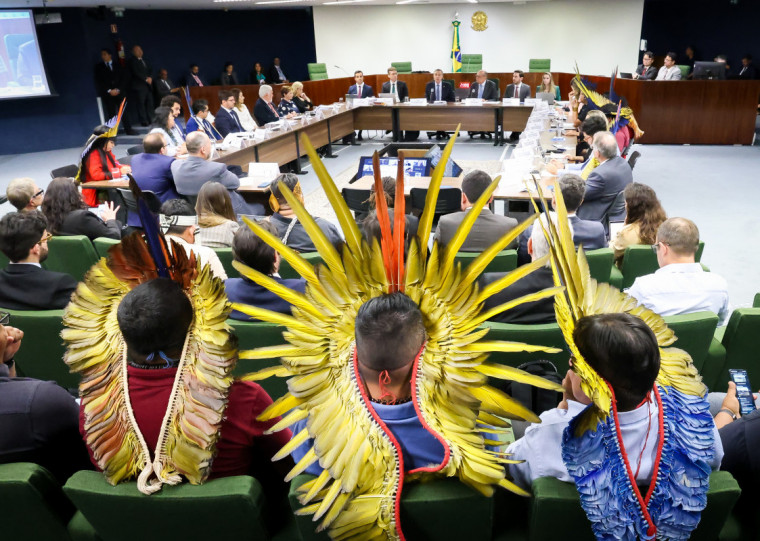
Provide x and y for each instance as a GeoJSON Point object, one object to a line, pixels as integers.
{"type": "Point", "coordinates": [159, 405]}
{"type": "Point", "coordinates": [635, 412]}
{"type": "Point", "coordinates": [387, 372]}
{"type": "Point", "coordinates": [99, 163]}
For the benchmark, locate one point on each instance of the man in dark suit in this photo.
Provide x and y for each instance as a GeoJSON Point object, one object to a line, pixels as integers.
{"type": "Point", "coordinates": [518, 89]}
{"type": "Point", "coordinates": [153, 172]}
{"type": "Point", "coordinates": [541, 311]}
{"type": "Point", "coordinates": [646, 71]}
{"type": "Point", "coordinates": [360, 90]}
{"type": "Point", "coordinates": [24, 284]}
{"type": "Point", "coordinates": [249, 249]}
{"type": "Point", "coordinates": [483, 89]}
{"type": "Point", "coordinates": [276, 75]}
{"type": "Point", "coordinates": [164, 86]}
{"type": "Point", "coordinates": [606, 181]}
{"type": "Point", "coordinates": [394, 86]}
{"type": "Point", "coordinates": [438, 90]}
{"type": "Point", "coordinates": [227, 120]}
{"type": "Point", "coordinates": [141, 85]}
{"type": "Point", "coordinates": [488, 227]}
{"type": "Point", "coordinates": [194, 77]}
{"type": "Point", "coordinates": [264, 111]}
{"type": "Point", "coordinates": [111, 82]}
{"type": "Point", "coordinates": [748, 70]}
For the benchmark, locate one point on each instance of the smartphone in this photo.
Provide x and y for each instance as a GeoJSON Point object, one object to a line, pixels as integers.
{"type": "Point", "coordinates": [743, 390]}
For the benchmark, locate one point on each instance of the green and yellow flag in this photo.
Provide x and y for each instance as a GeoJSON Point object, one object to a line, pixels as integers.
{"type": "Point", "coordinates": [456, 52]}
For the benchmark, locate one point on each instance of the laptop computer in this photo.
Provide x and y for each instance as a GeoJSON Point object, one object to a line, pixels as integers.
{"type": "Point", "coordinates": [413, 167]}
{"type": "Point", "coordinates": [548, 97]}
{"type": "Point", "coordinates": [626, 75]}
{"type": "Point", "coordinates": [388, 95]}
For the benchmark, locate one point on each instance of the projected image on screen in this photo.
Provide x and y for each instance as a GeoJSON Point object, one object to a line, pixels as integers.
{"type": "Point", "coordinates": [21, 71]}
{"type": "Point", "coordinates": [413, 167]}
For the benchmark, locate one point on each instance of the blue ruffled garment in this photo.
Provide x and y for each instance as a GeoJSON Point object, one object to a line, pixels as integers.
{"type": "Point", "coordinates": [596, 463]}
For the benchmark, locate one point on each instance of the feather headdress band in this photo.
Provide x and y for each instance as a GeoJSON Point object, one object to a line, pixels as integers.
{"type": "Point", "coordinates": [113, 130]}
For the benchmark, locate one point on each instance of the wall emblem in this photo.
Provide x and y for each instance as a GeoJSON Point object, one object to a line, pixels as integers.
{"type": "Point", "coordinates": [479, 21]}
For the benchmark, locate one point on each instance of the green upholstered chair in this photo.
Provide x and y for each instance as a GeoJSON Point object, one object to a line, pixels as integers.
{"type": "Point", "coordinates": [472, 63]}
{"type": "Point", "coordinates": [694, 334]}
{"type": "Point", "coordinates": [505, 261]}
{"type": "Point", "coordinates": [4, 260]}
{"type": "Point", "coordinates": [286, 271]}
{"type": "Point", "coordinates": [225, 256]}
{"type": "Point", "coordinates": [35, 506]}
{"type": "Point", "coordinates": [740, 342]}
{"type": "Point", "coordinates": [228, 508]}
{"type": "Point", "coordinates": [317, 72]}
{"type": "Point", "coordinates": [495, 81]}
{"type": "Point", "coordinates": [756, 301]}
{"type": "Point", "coordinates": [640, 260]}
{"type": "Point", "coordinates": [684, 71]}
{"type": "Point", "coordinates": [402, 67]}
{"type": "Point", "coordinates": [539, 65]}
{"type": "Point", "coordinates": [600, 263]}
{"type": "Point", "coordinates": [555, 502]}
{"type": "Point", "coordinates": [102, 244]}
{"type": "Point", "coordinates": [451, 82]}
{"type": "Point", "coordinates": [41, 354]}
{"type": "Point", "coordinates": [256, 334]}
{"type": "Point", "coordinates": [73, 255]}
{"type": "Point", "coordinates": [440, 509]}
{"type": "Point", "coordinates": [543, 334]}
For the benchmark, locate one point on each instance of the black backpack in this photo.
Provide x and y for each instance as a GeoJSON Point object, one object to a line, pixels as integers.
{"type": "Point", "coordinates": [535, 399]}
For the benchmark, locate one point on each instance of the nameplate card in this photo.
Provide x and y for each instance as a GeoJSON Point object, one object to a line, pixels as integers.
{"type": "Point", "coordinates": [259, 135]}
{"type": "Point", "coordinates": [473, 101]}
{"type": "Point", "coordinates": [359, 102]}
{"type": "Point", "coordinates": [510, 102]}
{"type": "Point", "coordinates": [532, 101]}
{"type": "Point", "coordinates": [439, 102]}
{"type": "Point", "coordinates": [418, 102]}
{"type": "Point", "coordinates": [383, 101]}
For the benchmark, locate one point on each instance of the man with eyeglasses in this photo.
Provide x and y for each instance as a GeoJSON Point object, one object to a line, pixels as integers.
{"type": "Point", "coordinates": [24, 284]}
{"type": "Point", "coordinates": [680, 285]}
{"type": "Point", "coordinates": [24, 194]}
{"type": "Point", "coordinates": [152, 170]}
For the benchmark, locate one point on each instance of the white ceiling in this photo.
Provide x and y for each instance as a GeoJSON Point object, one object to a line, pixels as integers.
{"type": "Point", "coordinates": [229, 4]}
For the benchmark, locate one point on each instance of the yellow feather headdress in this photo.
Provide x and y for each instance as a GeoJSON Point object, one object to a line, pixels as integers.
{"type": "Point", "coordinates": [357, 495]}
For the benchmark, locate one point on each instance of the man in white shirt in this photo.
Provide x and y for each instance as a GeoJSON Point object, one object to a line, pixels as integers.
{"type": "Point", "coordinates": [179, 222]}
{"type": "Point", "coordinates": [680, 286]}
{"type": "Point", "coordinates": [669, 72]}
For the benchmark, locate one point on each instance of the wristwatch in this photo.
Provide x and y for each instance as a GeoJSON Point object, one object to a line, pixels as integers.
{"type": "Point", "coordinates": [728, 411]}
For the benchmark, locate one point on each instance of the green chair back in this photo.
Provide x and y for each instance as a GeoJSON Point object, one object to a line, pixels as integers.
{"type": "Point", "coordinates": [73, 255]}
{"type": "Point", "coordinates": [684, 71]}
{"type": "Point", "coordinates": [756, 301]}
{"type": "Point", "coordinates": [402, 67]}
{"type": "Point", "coordinates": [544, 334]}
{"type": "Point", "coordinates": [740, 342]}
{"type": "Point", "coordinates": [556, 502]}
{"type": "Point", "coordinates": [600, 263]}
{"type": "Point", "coordinates": [4, 260]}
{"type": "Point", "coordinates": [286, 271]}
{"type": "Point", "coordinates": [317, 72]}
{"type": "Point", "coordinates": [539, 65]}
{"type": "Point", "coordinates": [505, 261]}
{"type": "Point", "coordinates": [36, 507]}
{"type": "Point", "coordinates": [472, 63]}
{"type": "Point", "coordinates": [694, 334]}
{"type": "Point", "coordinates": [41, 355]}
{"type": "Point", "coordinates": [643, 261]}
{"type": "Point", "coordinates": [225, 256]}
{"type": "Point", "coordinates": [256, 334]}
{"type": "Point", "coordinates": [102, 244]}
{"type": "Point", "coordinates": [434, 510]}
{"type": "Point", "coordinates": [495, 81]}
{"type": "Point", "coordinates": [228, 508]}
{"type": "Point", "coordinates": [451, 82]}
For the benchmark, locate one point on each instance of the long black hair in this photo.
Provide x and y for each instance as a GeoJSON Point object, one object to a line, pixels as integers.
{"type": "Point", "coordinates": [107, 159]}
{"type": "Point", "coordinates": [61, 198]}
{"type": "Point", "coordinates": [162, 121]}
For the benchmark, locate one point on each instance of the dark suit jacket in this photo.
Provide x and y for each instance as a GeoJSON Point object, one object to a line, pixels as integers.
{"type": "Point", "coordinates": [107, 79]}
{"type": "Point", "coordinates": [486, 230]}
{"type": "Point", "coordinates": [153, 172]}
{"type": "Point", "coordinates": [401, 89]}
{"type": "Point", "coordinates": [139, 71]}
{"type": "Point", "coordinates": [528, 313]}
{"type": "Point", "coordinates": [367, 91]}
{"type": "Point", "coordinates": [588, 233]}
{"type": "Point", "coordinates": [246, 291]}
{"type": "Point", "coordinates": [225, 123]}
{"type": "Point", "coordinates": [190, 81]}
{"type": "Point", "coordinates": [84, 222]}
{"type": "Point", "coordinates": [524, 91]}
{"type": "Point", "coordinates": [263, 114]}
{"type": "Point", "coordinates": [490, 92]}
{"type": "Point", "coordinates": [163, 88]}
{"type": "Point", "coordinates": [602, 186]}
{"type": "Point", "coordinates": [749, 73]}
{"type": "Point", "coordinates": [646, 74]}
{"type": "Point", "coordinates": [272, 76]}
{"type": "Point", "coordinates": [229, 79]}
{"type": "Point", "coordinates": [447, 93]}
{"type": "Point", "coordinates": [29, 287]}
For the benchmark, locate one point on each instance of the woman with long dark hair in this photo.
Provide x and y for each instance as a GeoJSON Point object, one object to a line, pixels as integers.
{"type": "Point", "coordinates": [164, 124]}
{"type": "Point", "coordinates": [258, 77]}
{"type": "Point", "coordinates": [217, 221]}
{"type": "Point", "coordinates": [67, 213]}
{"type": "Point", "coordinates": [100, 164]}
{"type": "Point", "coordinates": [644, 214]}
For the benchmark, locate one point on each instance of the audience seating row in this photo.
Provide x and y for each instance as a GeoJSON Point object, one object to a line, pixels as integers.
{"type": "Point", "coordinates": [87, 508]}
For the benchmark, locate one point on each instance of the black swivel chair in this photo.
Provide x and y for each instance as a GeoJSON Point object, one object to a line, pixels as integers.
{"type": "Point", "coordinates": [449, 200]}
{"type": "Point", "coordinates": [635, 155]}
{"type": "Point", "coordinates": [68, 171]}
{"type": "Point", "coordinates": [357, 201]}
{"type": "Point", "coordinates": [137, 149]}
{"type": "Point", "coordinates": [128, 200]}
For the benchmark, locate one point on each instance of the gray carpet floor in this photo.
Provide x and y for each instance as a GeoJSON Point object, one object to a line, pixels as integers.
{"type": "Point", "coordinates": [716, 186]}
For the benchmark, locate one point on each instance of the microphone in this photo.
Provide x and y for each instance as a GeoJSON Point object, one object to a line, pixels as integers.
{"type": "Point", "coordinates": [341, 69]}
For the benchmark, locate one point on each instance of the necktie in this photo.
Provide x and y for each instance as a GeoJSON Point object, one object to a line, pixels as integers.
{"type": "Point", "coordinates": [517, 91]}
{"type": "Point", "coordinates": [437, 92]}
{"type": "Point", "coordinates": [271, 106]}
{"type": "Point", "coordinates": [359, 91]}
{"type": "Point", "coordinates": [480, 91]}
{"type": "Point", "coordinates": [197, 80]}
{"type": "Point", "coordinates": [143, 62]}
{"type": "Point", "coordinates": [743, 70]}
{"type": "Point", "coordinates": [110, 66]}
{"type": "Point", "coordinates": [234, 115]}
{"type": "Point", "coordinates": [393, 87]}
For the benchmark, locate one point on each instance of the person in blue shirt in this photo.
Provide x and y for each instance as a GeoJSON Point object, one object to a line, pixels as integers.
{"type": "Point", "coordinates": [287, 105]}
{"type": "Point", "coordinates": [390, 335]}
{"type": "Point", "coordinates": [198, 121]}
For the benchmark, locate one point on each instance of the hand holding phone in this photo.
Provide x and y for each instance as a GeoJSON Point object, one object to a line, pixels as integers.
{"type": "Point", "coordinates": [743, 390]}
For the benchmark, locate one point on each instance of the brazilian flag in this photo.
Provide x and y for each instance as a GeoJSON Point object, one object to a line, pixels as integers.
{"type": "Point", "coordinates": [456, 52]}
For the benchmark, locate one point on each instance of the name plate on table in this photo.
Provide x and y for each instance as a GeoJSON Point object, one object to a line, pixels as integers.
{"type": "Point", "coordinates": [439, 102]}
{"type": "Point", "coordinates": [418, 102]}
{"type": "Point", "coordinates": [359, 102]}
{"type": "Point", "coordinates": [511, 102]}
{"type": "Point", "coordinates": [260, 174]}
{"type": "Point", "coordinates": [473, 101]}
{"type": "Point", "coordinates": [522, 152]}
{"type": "Point", "coordinates": [531, 101]}
{"type": "Point", "coordinates": [259, 135]}
{"type": "Point", "coordinates": [382, 101]}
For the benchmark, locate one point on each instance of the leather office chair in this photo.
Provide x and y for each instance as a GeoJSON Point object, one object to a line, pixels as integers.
{"type": "Point", "coordinates": [635, 155]}
{"type": "Point", "coordinates": [68, 171]}
{"type": "Point", "coordinates": [449, 200]}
